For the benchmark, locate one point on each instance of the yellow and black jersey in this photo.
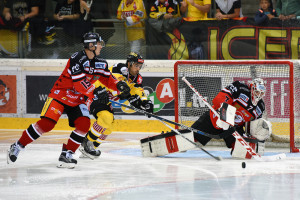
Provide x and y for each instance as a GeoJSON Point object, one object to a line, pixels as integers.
{"type": "Point", "coordinates": [134, 14]}
{"type": "Point", "coordinates": [120, 72]}
{"type": "Point", "coordinates": [158, 9]}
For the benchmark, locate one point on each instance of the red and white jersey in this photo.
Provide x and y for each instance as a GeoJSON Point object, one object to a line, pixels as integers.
{"type": "Point", "coordinates": [79, 78]}
{"type": "Point", "coordinates": [238, 94]}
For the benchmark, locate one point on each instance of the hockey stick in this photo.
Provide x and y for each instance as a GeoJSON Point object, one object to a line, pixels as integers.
{"type": "Point", "coordinates": [166, 120]}
{"type": "Point", "coordinates": [194, 143]}
{"type": "Point", "coordinates": [236, 134]}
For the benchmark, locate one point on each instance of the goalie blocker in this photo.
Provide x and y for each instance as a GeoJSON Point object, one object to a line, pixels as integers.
{"type": "Point", "coordinates": [166, 143]}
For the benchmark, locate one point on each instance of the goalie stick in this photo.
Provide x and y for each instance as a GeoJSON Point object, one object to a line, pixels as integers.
{"type": "Point", "coordinates": [194, 143]}
{"type": "Point", "coordinates": [166, 120]}
{"type": "Point", "coordinates": [236, 134]}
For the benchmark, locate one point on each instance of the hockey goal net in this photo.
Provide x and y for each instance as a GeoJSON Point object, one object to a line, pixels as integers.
{"type": "Point", "coordinates": [282, 79]}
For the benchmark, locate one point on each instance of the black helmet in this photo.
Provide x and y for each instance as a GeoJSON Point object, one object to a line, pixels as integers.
{"type": "Point", "coordinates": [92, 38]}
{"type": "Point", "coordinates": [135, 58]}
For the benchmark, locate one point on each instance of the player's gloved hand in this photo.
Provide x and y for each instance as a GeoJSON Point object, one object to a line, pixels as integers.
{"type": "Point", "coordinates": [124, 90]}
{"type": "Point", "coordinates": [147, 105]}
{"type": "Point", "coordinates": [135, 101]}
{"type": "Point", "coordinates": [100, 95]}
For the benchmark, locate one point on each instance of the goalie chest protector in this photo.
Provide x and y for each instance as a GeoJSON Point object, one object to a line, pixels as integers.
{"type": "Point", "coordinates": [166, 143]}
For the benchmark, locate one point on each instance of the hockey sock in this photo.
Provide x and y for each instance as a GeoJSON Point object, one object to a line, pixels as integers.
{"type": "Point", "coordinates": [74, 141]}
{"type": "Point", "coordinates": [29, 135]}
{"type": "Point", "coordinates": [34, 131]}
{"type": "Point", "coordinates": [98, 134]}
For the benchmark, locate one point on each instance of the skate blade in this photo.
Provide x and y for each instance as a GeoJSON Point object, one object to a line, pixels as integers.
{"type": "Point", "coordinates": [86, 155]}
{"type": "Point", "coordinates": [66, 165]}
{"type": "Point", "coordinates": [9, 161]}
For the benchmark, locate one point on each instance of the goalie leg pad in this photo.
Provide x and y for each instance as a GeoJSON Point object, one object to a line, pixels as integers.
{"type": "Point", "coordinates": [166, 143]}
{"type": "Point", "coordinates": [239, 150]}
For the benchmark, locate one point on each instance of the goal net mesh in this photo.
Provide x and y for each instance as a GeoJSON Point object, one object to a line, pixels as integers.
{"type": "Point", "coordinates": [210, 78]}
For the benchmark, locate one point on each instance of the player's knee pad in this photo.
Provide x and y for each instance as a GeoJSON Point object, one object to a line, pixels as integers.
{"type": "Point", "coordinates": [82, 125]}
{"type": "Point", "coordinates": [45, 125]}
{"type": "Point", "coordinates": [105, 119]}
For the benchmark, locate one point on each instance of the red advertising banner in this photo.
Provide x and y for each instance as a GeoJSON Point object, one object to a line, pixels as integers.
{"type": "Point", "coordinates": [8, 94]}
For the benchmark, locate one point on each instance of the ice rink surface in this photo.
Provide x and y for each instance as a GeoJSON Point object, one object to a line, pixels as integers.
{"type": "Point", "coordinates": [122, 173]}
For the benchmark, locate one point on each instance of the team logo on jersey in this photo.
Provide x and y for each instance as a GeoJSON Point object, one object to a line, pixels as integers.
{"type": "Point", "coordinates": [244, 97]}
{"type": "Point", "coordinates": [100, 65]}
{"type": "Point", "coordinates": [75, 68]}
{"type": "Point", "coordinates": [86, 64]}
{"type": "Point", "coordinates": [139, 80]}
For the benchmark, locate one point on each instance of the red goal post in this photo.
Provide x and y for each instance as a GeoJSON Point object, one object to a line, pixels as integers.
{"type": "Point", "coordinates": [282, 79]}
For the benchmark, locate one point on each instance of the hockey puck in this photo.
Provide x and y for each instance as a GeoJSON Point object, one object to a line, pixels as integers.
{"type": "Point", "coordinates": [243, 165]}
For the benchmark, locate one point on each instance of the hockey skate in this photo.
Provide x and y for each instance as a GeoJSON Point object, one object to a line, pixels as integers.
{"type": "Point", "coordinates": [87, 149]}
{"type": "Point", "coordinates": [66, 159]}
{"type": "Point", "coordinates": [13, 152]}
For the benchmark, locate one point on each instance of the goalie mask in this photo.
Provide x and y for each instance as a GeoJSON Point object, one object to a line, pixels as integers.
{"type": "Point", "coordinates": [258, 90]}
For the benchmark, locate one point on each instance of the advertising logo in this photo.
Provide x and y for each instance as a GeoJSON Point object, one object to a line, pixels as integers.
{"type": "Point", "coordinates": [8, 94]}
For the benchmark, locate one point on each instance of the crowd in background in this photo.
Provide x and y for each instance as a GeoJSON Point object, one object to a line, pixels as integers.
{"type": "Point", "coordinates": [75, 17]}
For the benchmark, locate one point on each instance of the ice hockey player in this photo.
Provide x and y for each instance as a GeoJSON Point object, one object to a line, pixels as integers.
{"type": "Point", "coordinates": [247, 99]}
{"type": "Point", "coordinates": [102, 109]}
{"type": "Point", "coordinates": [83, 73]}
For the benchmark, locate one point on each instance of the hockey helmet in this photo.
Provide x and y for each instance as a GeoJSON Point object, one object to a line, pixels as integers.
{"type": "Point", "coordinates": [135, 58]}
{"type": "Point", "coordinates": [258, 90]}
{"type": "Point", "coordinates": [93, 38]}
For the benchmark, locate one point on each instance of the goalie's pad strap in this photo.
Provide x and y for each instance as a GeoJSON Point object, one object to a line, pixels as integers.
{"type": "Point", "coordinates": [163, 144]}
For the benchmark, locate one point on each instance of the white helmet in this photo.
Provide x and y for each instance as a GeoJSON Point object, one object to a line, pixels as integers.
{"type": "Point", "coordinates": [258, 90]}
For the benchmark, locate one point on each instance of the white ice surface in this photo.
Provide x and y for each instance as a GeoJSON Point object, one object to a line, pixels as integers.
{"type": "Point", "coordinates": [122, 173]}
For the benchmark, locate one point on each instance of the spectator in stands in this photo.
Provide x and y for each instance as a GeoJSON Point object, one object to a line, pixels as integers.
{"type": "Point", "coordinates": [265, 13]}
{"type": "Point", "coordinates": [85, 8]}
{"type": "Point", "coordinates": [228, 9]}
{"type": "Point", "coordinates": [195, 9]}
{"type": "Point", "coordinates": [133, 12]}
{"type": "Point", "coordinates": [288, 9]}
{"type": "Point", "coordinates": [67, 15]}
{"type": "Point", "coordinates": [165, 15]}
{"type": "Point", "coordinates": [16, 13]}
{"type": "Point", "coordinates": [40, 28]}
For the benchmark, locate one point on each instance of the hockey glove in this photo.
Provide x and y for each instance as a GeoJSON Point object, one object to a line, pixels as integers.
{"type": "Point", "coordinates": [135, 101]}
{"type": "Point", "coordinates": [101, 95]}
{"type": "Point", "coordinates": [124, 90]}
{"type": "Point", "coordinates": [147, 105]}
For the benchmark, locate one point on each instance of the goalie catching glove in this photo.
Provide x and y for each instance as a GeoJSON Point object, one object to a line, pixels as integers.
{"type": "Point", "coordinates": [261, 129]}
{"type": "Point", "coordinates": [124, 90]}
